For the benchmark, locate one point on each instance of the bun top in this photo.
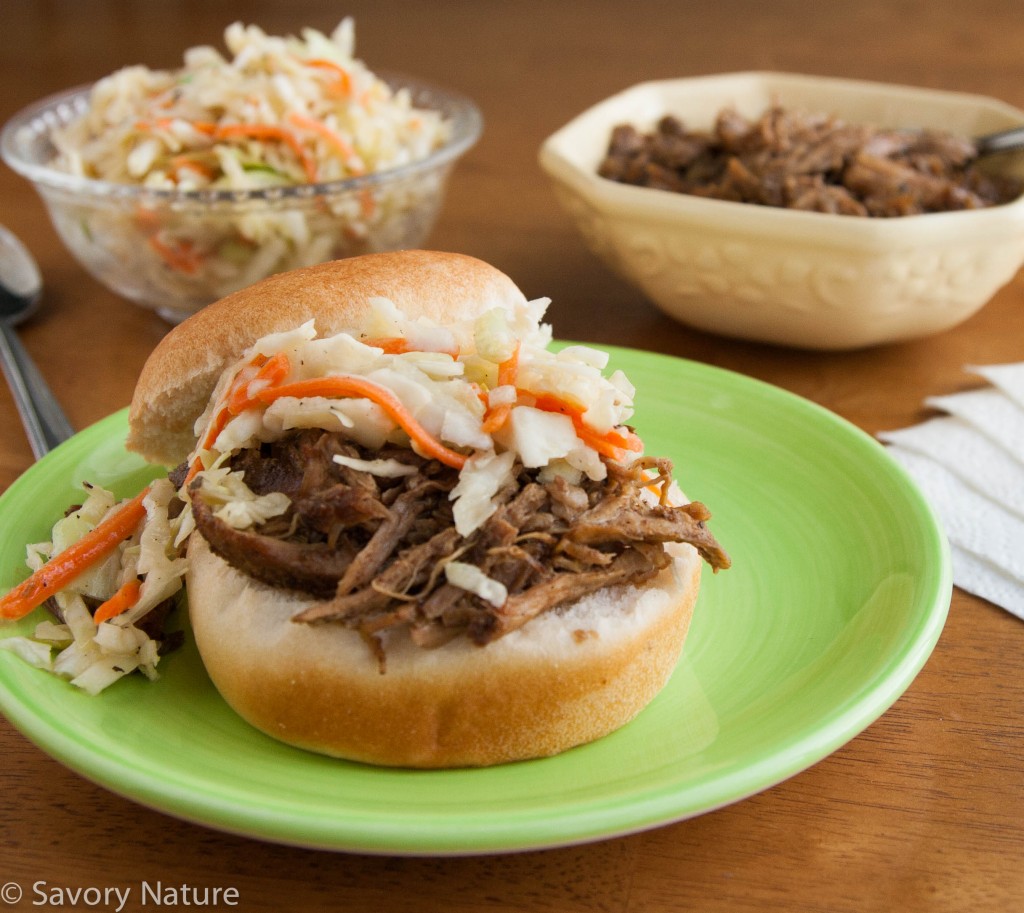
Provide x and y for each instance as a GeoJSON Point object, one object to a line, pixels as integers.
{"type": "Point", "coordinates": [180, 375]}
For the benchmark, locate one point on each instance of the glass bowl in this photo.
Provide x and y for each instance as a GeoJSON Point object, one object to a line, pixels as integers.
{"type": "Point", "coordinates": [177, 251]}
{"type": "Point", "coordinates": [804, 279]}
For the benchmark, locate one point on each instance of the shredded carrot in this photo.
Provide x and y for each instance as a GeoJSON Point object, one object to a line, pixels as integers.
{"type": "Point", "coordinates": [349, 385]}
{"type": "Point", "coordinates": [61, 569]}
{"type": "Point", "coordinates": [509, 369]}
{"type": "Point", "coordinates": [367, 203]}
{"type": "Point", "coordinates": [237, 397]}
{"type": "Point", "coordinates": [161, 123]}
{"type": "Point", "coordinates": [223, 417]}
{"type": "Point", "coordinates": [120, 602]}
{"type": "Point", "coordinates": [342, 146]}
{"type": "Point", "coordinates": [614, 444]}
{"type": "Point", "coordinates": [494, 419]}
{"type": "Point", "coordinates": [399, 345]}
{"type": "Point", "coordinates": [147, 220]}
{"type": "Point", "coordinates": [603, 443]}
{"type": "Point", "coordinates": [550, 403]}
{"type": "Point", "coordinates": [271, 132]}
{"type": "Point", "coordinates": [204, 169]}
{"type": "Point", "coordinates": [220, 420]}
{"type": "Point", "coordinates": [181, 256]}
{"type": "Point", "coordinates": [343, 82]}
{"type": "Point", "coordinates": [272, 371]}
{"type": "Point", "coordinates": [392, 345]}
{"type": "Point", "coordinates": [479, 391]}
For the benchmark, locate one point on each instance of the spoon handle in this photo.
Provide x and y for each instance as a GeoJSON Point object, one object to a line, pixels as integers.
{"type": "Point", "coordinates": [1003, 141]}
{"type": "Point", "coordinates": [45, 423]}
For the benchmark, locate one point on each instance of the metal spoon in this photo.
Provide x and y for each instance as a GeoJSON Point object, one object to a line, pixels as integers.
{"type": "Point", "coordinates": [1003, 141]}
{"type": "Point", "coordinates": [20, 290]}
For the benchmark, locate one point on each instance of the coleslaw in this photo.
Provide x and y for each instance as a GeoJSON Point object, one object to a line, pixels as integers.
{"type": "Point", "coordinates": [479, 395]}
{"type": "Point", "coordinates": [226, 148]}
{"type": "Point", "coordinates": [77, 643]}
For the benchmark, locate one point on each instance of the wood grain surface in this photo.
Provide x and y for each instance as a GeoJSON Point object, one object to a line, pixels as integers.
{"type": "Point", "coordinates": [922, 812]}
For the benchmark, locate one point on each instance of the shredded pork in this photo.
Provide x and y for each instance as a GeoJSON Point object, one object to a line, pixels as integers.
{"type": "Point", "coordinates": [372, 550]}
{"type": "Point", "coordinates": [799, 160]}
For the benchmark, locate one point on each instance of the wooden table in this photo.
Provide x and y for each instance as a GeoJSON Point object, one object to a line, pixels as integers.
{"type": "Point", "coordinates": [922, 812]}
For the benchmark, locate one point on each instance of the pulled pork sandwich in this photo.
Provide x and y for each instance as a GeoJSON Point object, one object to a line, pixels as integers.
{"type": "Point", "coordinates": [416, 535]}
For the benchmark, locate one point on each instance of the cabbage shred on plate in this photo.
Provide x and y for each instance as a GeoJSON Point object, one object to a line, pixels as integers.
{"type": "Point", "coordinates": [72, 643]}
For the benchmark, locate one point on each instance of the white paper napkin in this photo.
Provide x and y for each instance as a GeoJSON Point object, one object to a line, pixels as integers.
{"type": "Point", "coordinates": [970, 465]}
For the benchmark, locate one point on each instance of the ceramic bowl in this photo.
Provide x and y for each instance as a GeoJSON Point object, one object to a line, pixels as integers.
{"type": "Point", "coordinates": [805, 279]}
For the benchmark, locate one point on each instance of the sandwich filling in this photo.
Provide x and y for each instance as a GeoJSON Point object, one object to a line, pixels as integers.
{"type": "Point", "coordinates": [441, 481]}
{"type": "Point", "coordinates": [446, 481]}
{"type": "Point", "coordinates": [384, 552]}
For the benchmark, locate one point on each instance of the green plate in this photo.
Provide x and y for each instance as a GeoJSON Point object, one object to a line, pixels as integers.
{"type": "Point", "coordinates": [839, 590]}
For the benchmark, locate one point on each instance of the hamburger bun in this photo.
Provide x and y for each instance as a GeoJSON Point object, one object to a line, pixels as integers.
{"type": "Point", "coordinates": [568, 677]}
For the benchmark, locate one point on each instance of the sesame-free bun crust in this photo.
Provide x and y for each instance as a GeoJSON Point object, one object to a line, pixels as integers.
{"type": "Point", "coordinates": [566, 678]}
{"type": "Point", "coordinates": [178, 378]}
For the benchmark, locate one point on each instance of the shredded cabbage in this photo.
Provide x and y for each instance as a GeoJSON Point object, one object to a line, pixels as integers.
{"type": "Point", "coordinates": [470, 577]}
{"type": "Point", "coordinates": [157, 559]}
{"type": "Point", "coordinates": [274, 112]}
{"type": "Point", "coordinates": [34, 652]}
{"type": "Point", "coordinates": [94, 656]}
{"type": "Point", "coordinates": [157, 127]}
{"type": "Point", "coordinates": [387, 469]}
{"type": "Point", "coordinates": [495, 341]}
{"type": "Point", "coordinates": [446, 378]}
{"type": "Point", "coordinates": [540, 437]}
{"type": "Point", "coordinates": [235, 503]}
{"type": "Point", "coordinates": [480, 480]}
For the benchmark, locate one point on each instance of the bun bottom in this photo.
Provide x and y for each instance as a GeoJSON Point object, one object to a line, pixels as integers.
{"type": "Point", "coordinates": [568, 677]}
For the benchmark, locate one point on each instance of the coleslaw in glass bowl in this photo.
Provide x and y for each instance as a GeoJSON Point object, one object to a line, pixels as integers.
{"type": "Point", "coordinates": [174, 188]}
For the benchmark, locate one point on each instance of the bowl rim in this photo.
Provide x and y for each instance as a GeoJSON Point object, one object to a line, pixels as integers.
{"type": "Point", "coordinates": [460, 110]}
{"type": "Point", "coordinates": [605, 193]}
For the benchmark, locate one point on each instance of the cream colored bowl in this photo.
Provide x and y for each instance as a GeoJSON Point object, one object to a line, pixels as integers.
{"type": "Point", "coordinates": [812, 280]}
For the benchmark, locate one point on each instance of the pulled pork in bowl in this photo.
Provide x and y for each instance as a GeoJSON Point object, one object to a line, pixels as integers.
{"type": "Point", "coordinates": [812, 161]}
{"type": "Point", "coordinates": [776, 254]}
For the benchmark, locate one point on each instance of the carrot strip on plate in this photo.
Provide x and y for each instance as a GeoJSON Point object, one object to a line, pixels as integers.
{"type": "Point", "coordinates": [77, 558]}
{"type": "Point", "coordinates": [121, 601]}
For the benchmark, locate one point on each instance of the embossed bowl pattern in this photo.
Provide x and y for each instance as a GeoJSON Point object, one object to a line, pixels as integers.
{"type": "Point", "coordinates": [810, 280]}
